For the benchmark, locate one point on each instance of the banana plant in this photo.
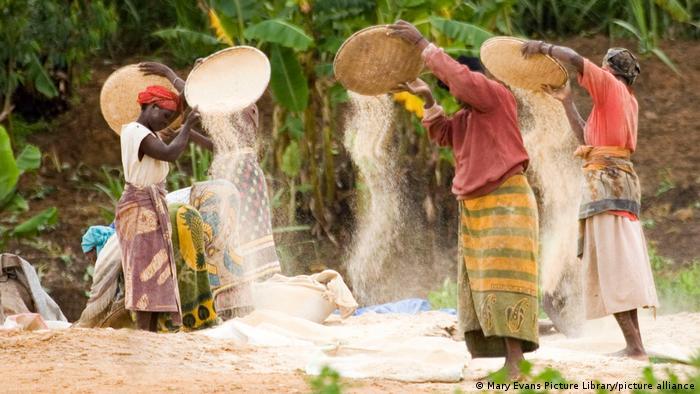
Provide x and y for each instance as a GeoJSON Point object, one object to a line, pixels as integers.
{"type": "Point", "coordinates": [11, 202]}
{"type": "Point", "coordinates": [646, 24]}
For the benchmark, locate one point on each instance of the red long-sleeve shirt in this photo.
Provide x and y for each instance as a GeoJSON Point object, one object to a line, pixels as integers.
{"type": "Point", "coordinates": [486, 141]}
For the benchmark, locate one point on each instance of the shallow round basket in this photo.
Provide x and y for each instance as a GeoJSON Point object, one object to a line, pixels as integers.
{"type": "Point", "coordinates": [295, 299]}
{"type": "Point", "coordinates": [120, 92]}
{"type": "Point", "coordinates": [371, 62]}
{"type": "Point", "coordinates": [502, 57]}
{"type": "Point", "coordinates": [228, 80]}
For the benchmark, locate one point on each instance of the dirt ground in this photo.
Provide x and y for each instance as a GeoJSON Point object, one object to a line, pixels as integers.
{"type": "Point", "coordinates": [106, 360]}
{"type": "Point", "coordinates": [81, 143]}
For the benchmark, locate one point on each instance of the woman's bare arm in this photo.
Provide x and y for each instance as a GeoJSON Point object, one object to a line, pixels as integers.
{"type": "Point", "coordinates": [159, 150]}
{"type": "Point", "coordinates": [200, 139]}
{"type": "Point", "coordinates": [578, 125]}
{"type": "Point", "coordinates": [563, 54]}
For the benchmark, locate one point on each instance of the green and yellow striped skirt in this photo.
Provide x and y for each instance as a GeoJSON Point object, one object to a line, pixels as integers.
{"type": "Point", "coordinates": [498, 268]}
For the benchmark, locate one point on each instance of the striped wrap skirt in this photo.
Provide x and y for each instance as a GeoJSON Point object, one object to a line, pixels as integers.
{"type": "Point", "coordinates": [498, 244]}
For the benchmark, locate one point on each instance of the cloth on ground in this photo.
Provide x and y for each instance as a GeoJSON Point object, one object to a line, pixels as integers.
{"type": "Point", "coordinates": [95, 238]}
{"type": "Point", "coordinates": [498, 269]}
{"type": "Point", "coordinates": [399, 347]}
{"type": "Point", "coordinates": [16, 269]}
{"type": "Point", "coordinates": [419, 359]}
{"type": "Point", "coordinates": [25, 321]}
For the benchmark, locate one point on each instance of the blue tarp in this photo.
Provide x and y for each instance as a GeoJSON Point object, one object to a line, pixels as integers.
{"type": "Point", "coordinates": [410, 306]}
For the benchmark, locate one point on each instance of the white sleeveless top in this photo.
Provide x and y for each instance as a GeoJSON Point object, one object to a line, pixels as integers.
{"type": "Point", "coordinates": [144, 172]}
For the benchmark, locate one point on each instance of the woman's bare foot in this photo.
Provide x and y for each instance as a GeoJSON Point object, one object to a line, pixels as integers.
{"type": "Point", "coordinates": [636, 354]}
{"type": "Point", "coordinates": [513, 369]}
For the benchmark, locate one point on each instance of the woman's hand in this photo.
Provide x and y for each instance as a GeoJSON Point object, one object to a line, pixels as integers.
{"type": "Point", "coordinates": [192, 118]}
{"type": "Point", "coordinates": [160, 69]}
{"type": "Point", "coordinates": [408, 33]}
{"type": "Point", "coordinates": [153, 68]}
{"type": "Point", "coordinates": [420, 88]}
{"type": "Point", "coordinates": [167, 134]}
{"type": "Point", "coordinates": [562, 94]}
{"type": "Point", "coordinates": [531, 47]}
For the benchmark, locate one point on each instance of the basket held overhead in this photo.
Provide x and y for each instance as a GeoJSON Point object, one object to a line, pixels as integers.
{"type": "Point", "coordinates": [502, 57]}
{"type": "Point", "coordinates": [120, 91]}
{"type": "Point", "coordinates": [371, 62]}
{"type": "Point", "coordinates": [228, 80]}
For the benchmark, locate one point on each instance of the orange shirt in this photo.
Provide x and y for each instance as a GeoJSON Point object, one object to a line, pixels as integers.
{"type": "Point", "coordinates": [613, 119]}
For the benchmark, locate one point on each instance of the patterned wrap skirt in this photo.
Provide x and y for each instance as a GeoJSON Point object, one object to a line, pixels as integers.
{"type": "Point", "coordinates": [189, 237]}
{"type": "Point", "coordinates": [498, 244]}
{"type": "Point", "coordinates": [143, 226]}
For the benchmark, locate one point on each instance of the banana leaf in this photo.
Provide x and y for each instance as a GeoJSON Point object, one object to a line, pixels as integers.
{"type": "Point", "coordinates": [289, 85]}
{"type": "Point", "coordinates": [277, 31]}
{"type": "Point", "coordinates": [464, 32]}
{"type": "Point", "coordinates": [9, 173]}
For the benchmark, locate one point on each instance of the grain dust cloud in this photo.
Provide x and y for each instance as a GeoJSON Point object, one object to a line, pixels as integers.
{"type": "Point", "coordinates": [391, 256]}
{"type": "Point", "coordinates": [556, 176]}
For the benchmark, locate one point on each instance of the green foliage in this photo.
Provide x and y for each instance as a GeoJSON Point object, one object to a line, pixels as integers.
{"type": "Point", "coordinates": [12, 202]}
{"type": "Point", "coordinates": [328, 382]}
{"type": "Point", "coordinates": [445, 296]}
{"type": "Point", "coordinates": [682, 385]}
{"type": "Point", "coordinates": [280, 32]}
{"type": "Point", "coordinates": [29, 159]}
{"type": "Point", "coordinates": [467, 34]}
{"type": "Point", "coordinates": [41, 38]}
{"type": "Point", "coordinates": [291, 161]}
{"type": "Point", "coordinates": [537, 383]}
{"type": "Point", "coordinates": [9, 173]}
{"type": "Point", "coordinates": [36, 224]}
{"type": "Point", "coordinates": [113, 187]}
{"type": "Point", "coordinates": [187, 45]}
{"type": "Point", "coordinates": [678, 286]}
{"type": "Point", "coordinates": [666, 183]}
{"type": "Point", "coordinates": [288, 82]}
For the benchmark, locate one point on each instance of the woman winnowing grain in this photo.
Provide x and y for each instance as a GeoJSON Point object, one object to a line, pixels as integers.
{"type": "Point", "coordinates": [234, 200]}
{"type": "Point", "coordinates": [617, 276]}
{"type": "Point", "coordinates": [142, 218]}
{"type": "Point", "coordinates": [498, 226]}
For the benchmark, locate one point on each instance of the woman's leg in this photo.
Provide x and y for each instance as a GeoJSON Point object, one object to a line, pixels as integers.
{"type": "Point", "coordinates": [629, 324]}
{"type": "Point", "coordinates": [514, 355]}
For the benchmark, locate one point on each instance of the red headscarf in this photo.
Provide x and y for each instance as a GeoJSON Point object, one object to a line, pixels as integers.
{"type": "Point", "coordinates": [161, 96]}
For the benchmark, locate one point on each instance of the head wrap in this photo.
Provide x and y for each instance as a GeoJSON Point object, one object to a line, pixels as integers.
{"type": "Point", "coordinates": [622, 63]}
{"type": "Point", "coordinates": [161, 96]}
{"type": "Point", "coordinates": [474, 64]}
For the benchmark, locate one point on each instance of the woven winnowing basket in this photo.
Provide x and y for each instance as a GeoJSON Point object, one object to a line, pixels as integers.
{"type": "Point", "coordinates": [120, 91]}
{"type": "Point", "coordinates": [230, 79]}
{"type": "Point", "coordinates": [371, 62]}
{"type": "Point", "coordinates": [503, 58]}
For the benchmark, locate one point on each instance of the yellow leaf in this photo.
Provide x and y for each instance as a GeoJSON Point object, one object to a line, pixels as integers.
{"type": "Point", "coordinates": [221, 34]}
{"type": "Point", "coordinates": [411, 102]}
